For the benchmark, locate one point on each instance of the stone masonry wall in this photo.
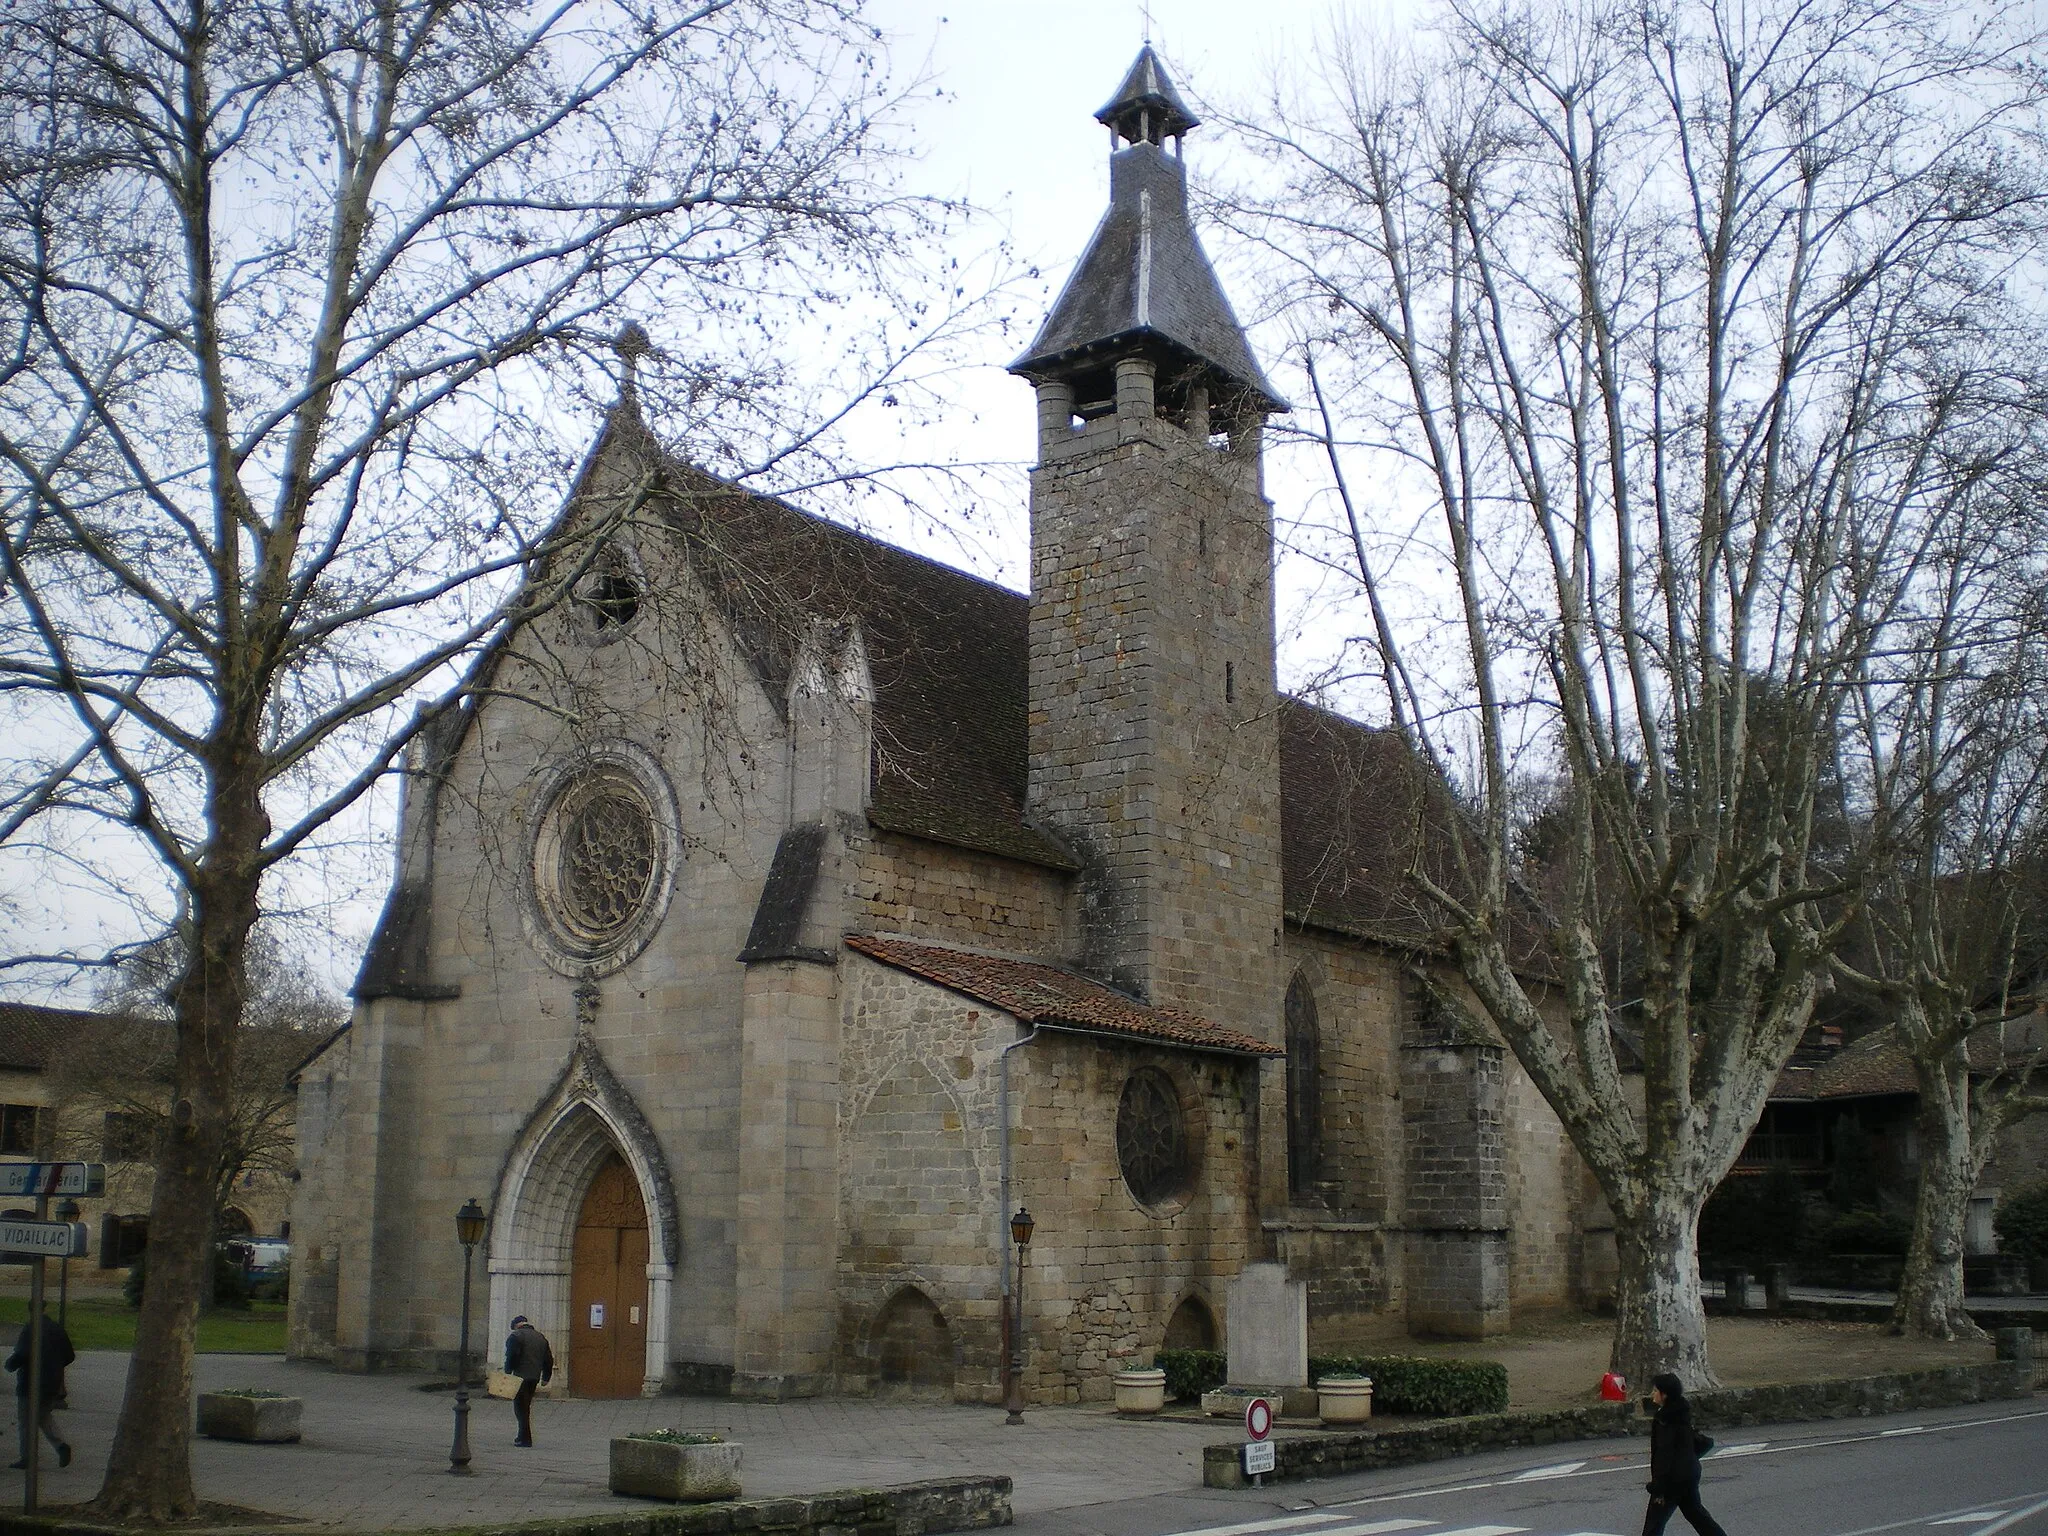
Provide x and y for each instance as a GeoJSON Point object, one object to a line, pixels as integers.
{"type": "Point", "coordinates": [930, 891]}
{"type": "Point", "coordinates": [1456, 1206]}
{"type": "Point", "coordinates": [921, 1206]}
{"type": "Point", "coordinates": [1153, 742]}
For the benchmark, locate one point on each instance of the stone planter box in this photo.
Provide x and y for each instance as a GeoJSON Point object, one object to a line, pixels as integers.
{"type": "Point", "coordinates": [1344, 1399]}
{"type": "Point", "coordinates": [1141, 1391]}
{"type": "Point", "coordinates": [690, 1474]}
{"type": "Point", "coordinates": [262, 1420]}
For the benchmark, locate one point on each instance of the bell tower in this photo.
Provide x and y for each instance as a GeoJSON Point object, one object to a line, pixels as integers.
{"type": "Point", "coordinates": [1154, 746]}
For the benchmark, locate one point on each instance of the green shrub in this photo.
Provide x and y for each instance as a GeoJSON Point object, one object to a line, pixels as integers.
{"type": "Point", "coordinates": [1866, 1230]}
{"type": "Point", "coordinates": [1190, 1372]}
{"type": "Point", "coordinates": [131, 1287]}
{"type": "Point", "coordinates": [677, 1436]}
{"type": "Point", "coordinates": [1418, 1385]}
{"type": "Point", "coordinates": [2022, 1222]}
{"type": "Point", "coordinates": [1755, 1221]}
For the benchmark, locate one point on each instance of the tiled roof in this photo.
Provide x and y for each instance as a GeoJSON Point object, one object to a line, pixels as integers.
{"type": "Point", "coordinates": [1037, 993]}
{"type": "Point", "coordinates": [1876, 1066]}
{"type": "Point", "coordinates": [30, 1035]}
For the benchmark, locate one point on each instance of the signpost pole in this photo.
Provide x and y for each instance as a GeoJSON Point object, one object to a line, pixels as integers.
{"type": "Point", "coordinates": [32, 1405]}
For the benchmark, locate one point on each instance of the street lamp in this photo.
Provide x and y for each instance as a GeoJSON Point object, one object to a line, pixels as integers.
{"type": "Point", "coordinates": [67, 1210]}
{"type": "Point", "coordinates": [469, 1228]}
{"type": "Point", "coordinates": [1013, 1399]}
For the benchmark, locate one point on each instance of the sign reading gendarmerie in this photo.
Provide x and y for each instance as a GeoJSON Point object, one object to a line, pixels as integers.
{"type": "Point", "coordinates": [50, 1239]}
{"type": "Point", "coordinates": [19, 1179]}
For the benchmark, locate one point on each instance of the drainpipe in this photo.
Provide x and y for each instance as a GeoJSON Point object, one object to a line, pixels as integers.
{"type": "Point", "coordinates": [1003, 1215]}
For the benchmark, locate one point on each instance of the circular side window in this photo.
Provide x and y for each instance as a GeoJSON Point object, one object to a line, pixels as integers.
{"type": "Point", "coordinates": [603, 862]}
{"type": "Point", "coordinates": [1152, 1138]}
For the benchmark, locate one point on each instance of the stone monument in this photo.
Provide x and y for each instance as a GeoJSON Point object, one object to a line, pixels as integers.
{"type": "Point", "coordinates": [1267, 1327]}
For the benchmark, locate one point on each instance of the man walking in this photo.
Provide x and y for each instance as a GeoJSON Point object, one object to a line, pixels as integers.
{"type": "Point", "coordinates": [528, 1357]}
{"type": "Point", "coordinates": [57, 1353]}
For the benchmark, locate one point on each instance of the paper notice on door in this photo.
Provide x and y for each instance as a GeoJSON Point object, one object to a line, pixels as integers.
{"type": "Point", "coordinates": [633, 1316]}
{"type": "Point", "coordinates": [597, 1314]}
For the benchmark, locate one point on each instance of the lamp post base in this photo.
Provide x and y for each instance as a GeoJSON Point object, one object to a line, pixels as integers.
{"type": "Point", "coordinates": [458, 1455]}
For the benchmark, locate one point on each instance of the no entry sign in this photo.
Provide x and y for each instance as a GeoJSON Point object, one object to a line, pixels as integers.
{"type": "Point", "coordinates": [1258, 1418]}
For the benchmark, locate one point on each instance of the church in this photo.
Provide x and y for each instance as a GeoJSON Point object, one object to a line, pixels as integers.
{"type": "Point", "coordinates": [786, 910]}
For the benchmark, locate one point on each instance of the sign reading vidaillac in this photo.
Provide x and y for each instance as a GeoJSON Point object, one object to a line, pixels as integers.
{"type": "Point", "coordinates": [49, 1239]}
{"type": "Point", "coordinates": [32, 1179]}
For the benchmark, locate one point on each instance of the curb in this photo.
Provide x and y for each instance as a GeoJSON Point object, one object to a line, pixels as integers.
{"type": "Point", "coordinates": [909, 1509]}
{"type": "Point", "coordinates": [1332, 1455]}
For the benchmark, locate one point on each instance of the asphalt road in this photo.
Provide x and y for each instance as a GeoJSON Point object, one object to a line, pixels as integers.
{"type": "Point", "coordinates": [1979, 1471]}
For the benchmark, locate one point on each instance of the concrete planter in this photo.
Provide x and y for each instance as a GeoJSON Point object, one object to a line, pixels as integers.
{"type": "Point", "coordinates": [1140, 1391]}
{"type": "Point", "coordinates": [261, 1420]}
{"type": "Point", "coordinates": [1344, 1399]}
{"type": "Point", "coordinates": [689, 1474]}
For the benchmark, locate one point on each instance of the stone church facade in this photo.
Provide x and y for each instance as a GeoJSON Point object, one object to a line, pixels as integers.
{"type": "Point", "coordinates": [788, 909]}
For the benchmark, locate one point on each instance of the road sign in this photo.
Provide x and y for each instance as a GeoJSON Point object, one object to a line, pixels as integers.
{"type": "Point", "coordinates": [47, 1239]}
{"type": "Point", "coordinates": [32, 1179]}
{"type": "Point", "coordinates": [1258, 1418]}
{"type": "Point", "coordinates": [1258, 1457]}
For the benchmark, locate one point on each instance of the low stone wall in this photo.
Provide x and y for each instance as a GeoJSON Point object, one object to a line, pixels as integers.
{"type": "Point", "coordinates": [910, 1509]}
{"type": "Point", "coordinates": [1330, 1455]}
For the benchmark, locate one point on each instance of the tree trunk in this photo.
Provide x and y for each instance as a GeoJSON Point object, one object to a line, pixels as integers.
{"type": "Point", "coordinates": [1930, 1303]}
{"type": "Point", "coordinates": [149, 1473]}
{"type": "Point", "coordinates": [1660, 1321]}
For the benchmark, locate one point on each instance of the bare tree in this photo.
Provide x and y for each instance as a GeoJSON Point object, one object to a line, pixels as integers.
{"type": "Point", "coordinates": [1945, 744]}
{"type": "Point", "coordinates": [125, 1063]}
{"type": "Point", "coordinates": [299, 299]}
{"type": "Point", "coordinates": [1646, 307]}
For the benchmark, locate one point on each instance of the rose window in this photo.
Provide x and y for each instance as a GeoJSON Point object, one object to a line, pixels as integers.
{"type": "Point", "coordinates": [600, 866]}
{"type": "Point", "coordinates": [1152, 1138]}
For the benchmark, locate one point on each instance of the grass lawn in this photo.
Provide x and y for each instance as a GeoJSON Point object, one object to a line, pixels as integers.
{"type": "Point", "coordinates": [98, 1324]}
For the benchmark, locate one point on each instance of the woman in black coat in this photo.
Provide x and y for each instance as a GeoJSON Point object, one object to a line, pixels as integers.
{"type": "Point", "coordinates": [1674, 1462]}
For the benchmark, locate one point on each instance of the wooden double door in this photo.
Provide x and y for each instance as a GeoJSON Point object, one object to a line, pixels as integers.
{"type": "Point", "coordinates": [608, 1288]}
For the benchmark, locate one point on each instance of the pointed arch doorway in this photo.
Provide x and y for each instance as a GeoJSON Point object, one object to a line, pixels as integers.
{"type": "Point", "coordinates": [608, 1287]}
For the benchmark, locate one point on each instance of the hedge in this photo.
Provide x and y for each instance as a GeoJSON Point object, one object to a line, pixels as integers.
{"type": "Point", "coordinates": [1190, 1372]}
{"type": "Point", "coordinates": [1400, 1383]}
{"type": "Point", "coordinates": [1414, 1384]}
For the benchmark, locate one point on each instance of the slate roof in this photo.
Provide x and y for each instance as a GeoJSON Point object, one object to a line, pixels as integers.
{"type": "Point", "coordinates": [1050, 995]}
{"type": "Point", "coordinates": [1147, 88]}
{"type": "Point", "coordinates": [946, 651]}
{"type": "Point", "coordinates": [31, 1035]}
{"type": "Point", "coordinates": [1144, 283]}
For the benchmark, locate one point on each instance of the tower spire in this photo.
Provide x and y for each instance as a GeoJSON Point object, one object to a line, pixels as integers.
{"type": "Point", "coordinates": [1144, 287]}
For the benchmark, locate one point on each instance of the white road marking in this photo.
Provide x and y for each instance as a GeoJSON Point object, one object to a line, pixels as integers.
{"type": "Point", "coordinates": [2014, 1519]}
{"type": "Point", "coordinates": [1379, 1528]}
{"type": "Point", "coordinates": [1536, 1474]}
{"type": "Point", "coordinates": [1916, 1429]}
{"type": "Point", "coordinates": [1975, 1517]}
{"type": "Point", "coordinates": [1249, 1526]}
{"type": "Point", "coordinates": [1747, 1448]}
{"type": "Point", "coordinates": [1487, 1530]}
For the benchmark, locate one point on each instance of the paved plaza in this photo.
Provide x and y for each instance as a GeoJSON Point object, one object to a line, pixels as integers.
{"type": "Point", "coordinates": [375, 1451]}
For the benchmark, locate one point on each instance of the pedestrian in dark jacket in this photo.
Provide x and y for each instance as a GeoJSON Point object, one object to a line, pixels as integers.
{"type": "Point", "coordinates": [57, 1353]}
{"type": "Point", "coordinates": [528, 1357]}
{"type": "Point", "coordinates": [1675, 1448]}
